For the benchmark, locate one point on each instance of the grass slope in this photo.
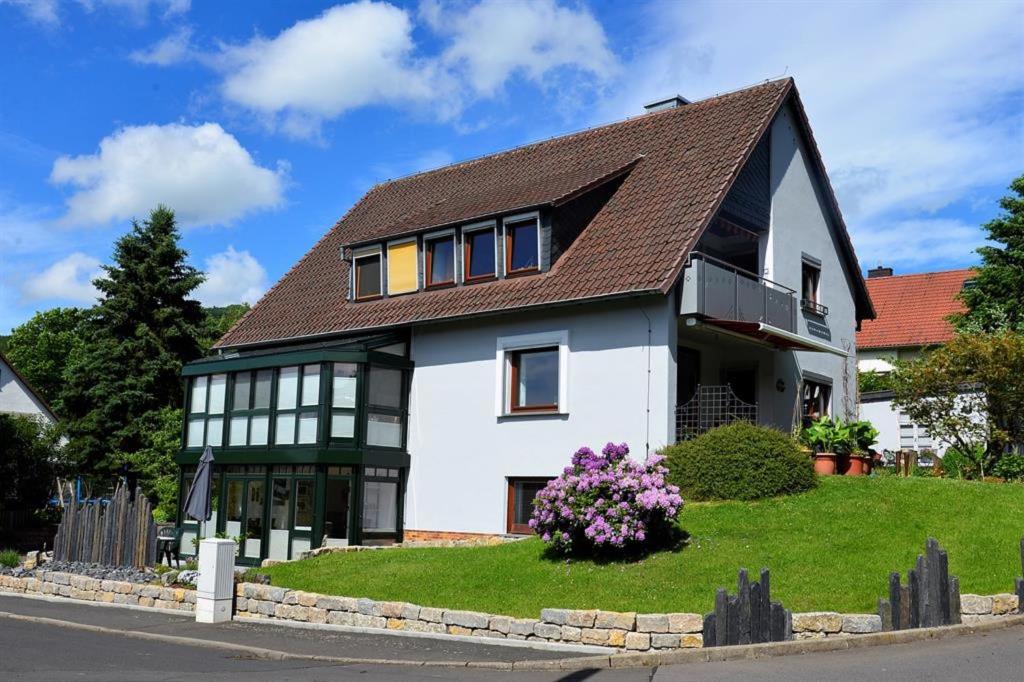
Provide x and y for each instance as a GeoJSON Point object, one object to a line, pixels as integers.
{"type": "Point", "coordinates": [828, 549]}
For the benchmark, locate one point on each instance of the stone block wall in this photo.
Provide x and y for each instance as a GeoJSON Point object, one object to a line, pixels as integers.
{"type": "Point", "coordinates": [84, 588]}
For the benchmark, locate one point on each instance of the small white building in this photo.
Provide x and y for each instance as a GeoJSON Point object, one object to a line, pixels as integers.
{"type": "Point", "coordinates": [18, 397]}
{"type": "Point", "coordinates": [912, 314]}
{"type": "Point", "coordinates": [458, 334]}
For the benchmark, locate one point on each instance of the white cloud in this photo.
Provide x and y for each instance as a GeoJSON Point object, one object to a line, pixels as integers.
{"type": "Point", "coordinates": [916, 243]}
{"type": "Point", "coordinates": [175, 48]}
{"type": "Point", "coordinates": [493, 40]}
{"type": "Point", "coordinates": [69, 279]}
{"type": "Point", "coordinates": [40, 11]}
{"type": "Point", "coordinates": [350, 56]}
{"type": "Point", "coordinates": [232, 277]}
{"type": "Point", "coordinates": [47, 12]}
{"type": "Point", "coordinates": [916, 106]}
{"type": "Point", "coordinates": [201, 172]}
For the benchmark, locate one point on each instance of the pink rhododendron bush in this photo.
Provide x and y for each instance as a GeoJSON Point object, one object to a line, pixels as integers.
{"type": "Point", "coordinates": [607, 503]}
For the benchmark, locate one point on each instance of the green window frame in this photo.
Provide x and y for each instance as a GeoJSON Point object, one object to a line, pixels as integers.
{"type": "Point", "coordinates": [299, 394]}
{"type": "Point", "coordinates": [386, 407]}
{"type": "Point", "coordinates": [206, 411]}
{"type": "Point", "coordinates": [345, 381]}
{"type": "Point", "coordinates": [252, 394]}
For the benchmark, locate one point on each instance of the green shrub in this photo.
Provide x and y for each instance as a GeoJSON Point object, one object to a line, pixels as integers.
{"type": "Point", "coordinates": [9, 558]}
{"type": "Point", "coordinates": [1010, 467]}
{"type": "Point", "coordinates": [740, 461]}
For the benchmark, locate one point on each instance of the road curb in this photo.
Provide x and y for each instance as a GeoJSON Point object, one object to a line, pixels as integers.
{"type": "Point", "coordinates": [636, 660]}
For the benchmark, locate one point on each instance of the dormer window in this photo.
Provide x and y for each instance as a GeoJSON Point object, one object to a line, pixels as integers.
{"type": "Point", "coordinates": [480, 252]}
{"type": "Point", "coordinates": [403, 276]}
{"type": "Point", "coordinates": [367, 279]}
{"type": "Point", "coordinates": [522, 245]}
{"type": "Point", "coordinates": [439, 260]}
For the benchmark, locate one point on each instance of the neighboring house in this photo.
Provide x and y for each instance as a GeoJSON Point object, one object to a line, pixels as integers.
{"type": "Point", "coordinates": [18, 397]}
{"type": "Point", "coordinates": [459, 333]}
{"type": "Point", "coordinates": [912, 313]}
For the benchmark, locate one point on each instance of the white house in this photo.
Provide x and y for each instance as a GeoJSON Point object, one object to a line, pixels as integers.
{"type": "Point", "coordinates": [18, 397]}
{"type": "Point", "coordinates": [912, 314]}
{"type": "Point", "coordinates": [449, 343]}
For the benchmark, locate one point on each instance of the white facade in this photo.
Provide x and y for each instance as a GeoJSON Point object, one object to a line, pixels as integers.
{"type": "Point", "coordinates": [16, 397]}
{"type": "Point", "coordinates": [618, 368]}
{"type": "Point", "coordinates": [616, 387]}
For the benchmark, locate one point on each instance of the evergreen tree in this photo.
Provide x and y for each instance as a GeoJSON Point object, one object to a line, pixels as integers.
{"type": "Point", "coordinates": [140, 333]}
{"type": "Point", "coordinates": [995, 298]}
{"type": "Point", "coordinates": [42, 348]}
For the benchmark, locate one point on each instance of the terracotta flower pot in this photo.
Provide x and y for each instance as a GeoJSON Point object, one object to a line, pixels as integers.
{"type": "Point", "coordinates": [825, 463]}
{"type": "Point", "coordinates": [869, 462]}
{"type": "Point", "coordinates": [842, 463]}
{"type": "Point", "coordinates": [856, 466]}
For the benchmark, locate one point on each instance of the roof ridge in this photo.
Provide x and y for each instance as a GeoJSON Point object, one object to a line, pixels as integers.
{"type": "Point", "coordinates": [646, 116]}
{"type": "Point", "coordinates": [921, 274]}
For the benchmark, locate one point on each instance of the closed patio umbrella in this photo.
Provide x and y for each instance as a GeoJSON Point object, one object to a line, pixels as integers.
{"type": "Point", "coordinates": [198, 503]}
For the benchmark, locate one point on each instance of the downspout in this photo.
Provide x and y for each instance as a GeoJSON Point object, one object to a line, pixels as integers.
{"type": "Point", "coordinates": [647, 419]}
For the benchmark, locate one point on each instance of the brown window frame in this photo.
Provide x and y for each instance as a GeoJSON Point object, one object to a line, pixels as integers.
{"type": "Point", "coordinates": [467, 254]}
{"type": "Point", "coordinates": [822, 401]}
{"type": "Point", "coordinates": [511, 526]}
{"type": "Point", "coordinates": [356, 276]}
{"type": "Point", "coordinates": [811, 296]}
{"type": "Point", "coordinates": [428, 258]}
{"type": "Point", "coordinates": [513, 380]}
{"type": "Point", "coordinates": [512, 222]}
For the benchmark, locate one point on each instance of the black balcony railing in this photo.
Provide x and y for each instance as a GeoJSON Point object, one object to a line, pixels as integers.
{"type": "Point", "coordinates": [715, 289]}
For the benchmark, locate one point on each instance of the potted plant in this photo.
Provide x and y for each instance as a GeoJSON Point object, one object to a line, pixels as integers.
{"type": "Point", "coordinates": [864, 435]}
{"type": "Point", "coordinates": [820, 436]}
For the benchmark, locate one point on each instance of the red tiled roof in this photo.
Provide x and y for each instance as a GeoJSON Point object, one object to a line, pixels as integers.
{"type": "Point", "coordinates": [912, 309]}
{"type": "Point", "coordinates": [685, 161]}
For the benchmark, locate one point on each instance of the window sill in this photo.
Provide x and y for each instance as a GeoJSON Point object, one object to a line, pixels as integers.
{"type": "Point", "coordinates": [439, 285]}
{"type": "Point", "coordinates": [534, 413]}
{"type": "Point", "coordinates": [522, 273]}
{"type": "Point", "coordinates": [813, 308]}
{"type": "Point", "coordinates": [364, 299]}
{"type": "Point", "coordinates": [480, 280]}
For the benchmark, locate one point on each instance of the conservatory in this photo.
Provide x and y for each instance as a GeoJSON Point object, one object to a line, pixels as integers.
{"type": "Point", "coordinates": [309, 445]}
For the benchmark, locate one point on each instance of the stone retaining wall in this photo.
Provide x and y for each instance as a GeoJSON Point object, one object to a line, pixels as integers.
{"type": "Point", "coordinates": [625, 631]}
{"type": "Point", "coordinates": [84, 588]}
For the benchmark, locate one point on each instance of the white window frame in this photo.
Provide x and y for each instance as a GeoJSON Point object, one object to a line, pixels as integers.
{"type": "Point", "coordinates": [519, 218]}
{"type": "Point", "coordinates": [506, 344]}
{"type": "Point", "coordinates": [470, 229]}
{"type": "Point", "coordinates": [363, 252]}
{"type": "Point", "coordinates": [399, 242]}
{"type": "Point", "coordinates": [434, 236]}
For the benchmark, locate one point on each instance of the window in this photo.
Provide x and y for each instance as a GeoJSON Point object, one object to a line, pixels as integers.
{"type": "Point", "coordinates": [440, 260]}
{"type": "Point", "coordinates": [522, 244]}
{"type": "Point", "coordinates": [480, 255]}
{"type": "Point", "coordinates": [385, 417]}
{"type": "Point", "coordinates": [810, 287]}
{"type": "Point", "coordinates": [367, 275]}
{"type": "Point", "coordinates": [533, 379]}
{"type": "Point", "coordinates": [380, 500]}
{"type": "Point", "coordinates": [250, 408]}
{"type": "Point", "coordinates": [403, 274]}
{"type": "Point", "coordinates": [206, 411]}
{"type": "Point", "coordinates": [816, 397]}
{"type": "Point", "coordinates": [298, 400]}
{"type": "Point", "coordinates": [531, 374]}
{"type": "Point", "coordinates": [343, 400]}
{"type": "Point", "coordinates": [521, 492]}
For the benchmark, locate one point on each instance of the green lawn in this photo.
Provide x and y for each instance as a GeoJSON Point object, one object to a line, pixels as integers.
{"type": "Point", "coordinates": [829, 549]}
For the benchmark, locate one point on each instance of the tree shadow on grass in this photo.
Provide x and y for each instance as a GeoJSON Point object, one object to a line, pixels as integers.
{"type": "Point", "coordinates": [672, 541]}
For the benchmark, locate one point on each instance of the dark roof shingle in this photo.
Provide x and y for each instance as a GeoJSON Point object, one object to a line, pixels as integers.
{"type": "Point", "coordinates": [636, 243]}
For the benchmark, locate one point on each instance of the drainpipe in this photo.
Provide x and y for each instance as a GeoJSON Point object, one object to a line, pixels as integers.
{"type": "Point", "coordinates": [647, 416]}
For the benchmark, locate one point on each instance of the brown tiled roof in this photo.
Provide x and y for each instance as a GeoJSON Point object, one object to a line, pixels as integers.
{"type": "Point", "coordinates": [635, 244]}
{"type": "Point", "coordinates": [912, 309]}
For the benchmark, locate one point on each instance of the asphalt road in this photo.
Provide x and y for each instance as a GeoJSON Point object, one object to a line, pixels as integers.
{"type": "Point", "coordinates": [37, 651]}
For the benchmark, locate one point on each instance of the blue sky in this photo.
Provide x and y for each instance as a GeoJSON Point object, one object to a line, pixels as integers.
{"type": "Point", "coordinates": [261, 123]}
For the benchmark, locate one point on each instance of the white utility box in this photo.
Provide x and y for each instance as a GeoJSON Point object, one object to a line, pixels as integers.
{"type": "Point", "coordinates": [216, 584]}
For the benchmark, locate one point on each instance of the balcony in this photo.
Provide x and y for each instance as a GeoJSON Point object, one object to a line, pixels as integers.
{"type": "Point", "coordinates": [715, 290]}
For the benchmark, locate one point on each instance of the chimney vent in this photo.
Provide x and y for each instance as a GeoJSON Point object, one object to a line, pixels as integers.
{"type": "Point", "coordinates": [880, 271]}
{"type": "Point", "coordinates": [673, 102]}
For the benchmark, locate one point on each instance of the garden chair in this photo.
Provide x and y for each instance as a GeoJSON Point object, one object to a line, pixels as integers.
{"type": "Point", "coordinates": [168, 545]}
